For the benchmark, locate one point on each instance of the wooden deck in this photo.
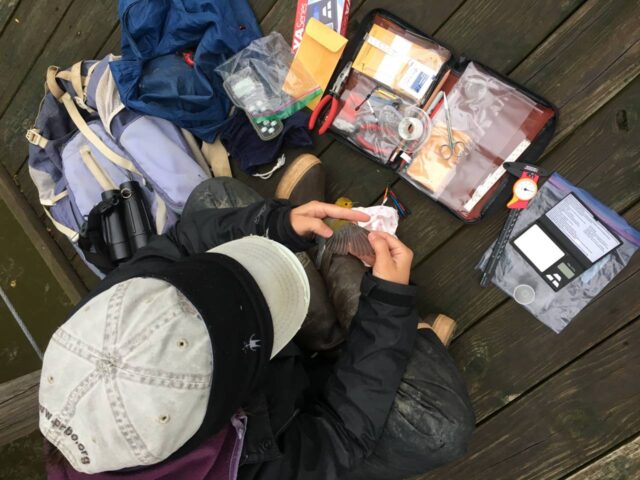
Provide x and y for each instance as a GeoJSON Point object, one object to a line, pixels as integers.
{"type": "Point", "coordinates": [548, 406]}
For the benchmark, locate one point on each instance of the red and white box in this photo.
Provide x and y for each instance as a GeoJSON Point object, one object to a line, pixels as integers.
{"type": "Point", "coordinates": [333, 13]}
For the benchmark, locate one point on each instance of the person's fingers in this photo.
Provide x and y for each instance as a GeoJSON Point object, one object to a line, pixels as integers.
{"type": "Point", "coordinates": [323, 210]}
{"type": "Point", "coordinates": [392, 240]}
{"type": "Point", "coordinates": [396, 247]}
{"type": "Point", "coordinates": [318, 227]}
{"type": "Point", "coordinates": [380, 247]}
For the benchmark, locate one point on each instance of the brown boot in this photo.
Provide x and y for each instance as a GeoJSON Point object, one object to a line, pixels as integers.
{"type": "Point", "coordinates": [444, 327]}
{"type": "Point", "coordinates": [303, 180]}
{"type": "Point", "coordinates": [321, 330]}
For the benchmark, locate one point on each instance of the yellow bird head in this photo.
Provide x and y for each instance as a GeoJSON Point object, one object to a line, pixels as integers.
{"type": "Point", "coordinates": [344, 202]}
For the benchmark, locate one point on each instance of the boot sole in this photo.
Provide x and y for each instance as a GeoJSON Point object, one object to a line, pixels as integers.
{"type": "Point", "coordinates": [444, 327]}
{"type": "Point", "coordinates": [294, 174]}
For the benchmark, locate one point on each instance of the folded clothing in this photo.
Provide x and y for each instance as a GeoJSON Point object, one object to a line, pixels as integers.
{"type": "Point", "coordinates": [243, 143]}
{"type": "Point", "coordinates": [152, 76]}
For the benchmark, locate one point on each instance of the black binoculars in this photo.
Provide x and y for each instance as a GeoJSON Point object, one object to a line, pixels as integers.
{"type": "Point", "coordinates": [126, 226]}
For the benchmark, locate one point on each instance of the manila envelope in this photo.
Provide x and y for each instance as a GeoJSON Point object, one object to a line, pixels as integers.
{"type": "Point", "coordinates": [319, 53]}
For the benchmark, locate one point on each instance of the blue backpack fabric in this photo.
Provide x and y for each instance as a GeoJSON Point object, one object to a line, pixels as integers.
{"type": "Point", "coordinates": [152, 76]}
{"type": "Point", "coordinates": [85, 142]}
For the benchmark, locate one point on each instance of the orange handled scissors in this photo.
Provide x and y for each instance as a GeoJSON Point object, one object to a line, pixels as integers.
{"type": "Point", "coordinates": [331, 101]}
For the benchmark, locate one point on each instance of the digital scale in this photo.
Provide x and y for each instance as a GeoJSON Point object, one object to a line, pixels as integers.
{"type": "Point", "coordinates": [566, 241]}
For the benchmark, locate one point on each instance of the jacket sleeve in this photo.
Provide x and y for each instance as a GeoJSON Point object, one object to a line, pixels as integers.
{"type": "Point", "coordinates": [342, 428]}
{"type": "Point", "coordinates": [205, 229]}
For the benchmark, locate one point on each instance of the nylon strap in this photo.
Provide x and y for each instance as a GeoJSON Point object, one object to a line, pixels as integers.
{"type": "Point", "coordinates": [52, 84]}
{"type": "Point", "coordinates": [90, 135]}
{"type": "Point", "coordinates": [96, 170]}
{"type": "Point", "coordinates": [55, 199]}
{"type": "Point", "coordinates": [195, 151]}
{"type": "Point", "coordinates": [78, 82]}
{"type": "Point", "coordinates": [161, 214]}
{"type": "Point", "coordinates": [68, 232]}
{"type": "Point", "coordinates": [218, 158]}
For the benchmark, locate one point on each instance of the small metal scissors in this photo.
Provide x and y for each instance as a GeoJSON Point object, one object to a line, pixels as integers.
{"type": "Point", "coordinates": [453, 148]}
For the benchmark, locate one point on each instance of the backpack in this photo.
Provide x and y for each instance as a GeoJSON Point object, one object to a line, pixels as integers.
{"type": "Point", "coordinates": [85, 142]}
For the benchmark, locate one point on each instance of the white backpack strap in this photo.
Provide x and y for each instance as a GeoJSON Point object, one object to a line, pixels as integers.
{"type": "Point", "coordinates": [218, 158]}
{"type": "Point", "coordinates": [52, 84]}
{"type": "Point", "coordinates": [79, 84]}
{"type": "Point", "coordinates": [195, 150]}
{"type": "Point", "coordinates": [161, 214]}
{"type": "Point", "coordinates": [96, 170]}
{"type": "Point", "coordinates": [66, 231]}
{"type": "Point", "coordinates": [51, 201]}
{"type": "Point", "coordinates": [90, 135]}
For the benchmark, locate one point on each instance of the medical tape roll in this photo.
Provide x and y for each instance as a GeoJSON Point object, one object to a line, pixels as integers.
{"type": "Point", "coordinates": [409, 129]}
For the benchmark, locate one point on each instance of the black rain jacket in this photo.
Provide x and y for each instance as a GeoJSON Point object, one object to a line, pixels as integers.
{"type": "Point", "coordinates": [305, 422]}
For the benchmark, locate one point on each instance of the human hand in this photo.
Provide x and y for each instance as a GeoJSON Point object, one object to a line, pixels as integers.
{"type": "Point", "coordinates": [306, 219]}
{"type": "Point", "coordinates": [393, 258]}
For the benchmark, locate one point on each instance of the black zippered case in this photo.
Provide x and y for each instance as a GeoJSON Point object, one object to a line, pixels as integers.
{"type": "Point", "coordinates": [484, 105]}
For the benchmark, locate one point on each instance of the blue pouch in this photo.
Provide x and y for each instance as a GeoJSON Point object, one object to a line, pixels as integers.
{"type": "Point", "coordinates": [153, 77]}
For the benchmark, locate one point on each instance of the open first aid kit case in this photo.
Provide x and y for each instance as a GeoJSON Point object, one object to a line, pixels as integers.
{"type": "Point", "coordinates": [445, 124]}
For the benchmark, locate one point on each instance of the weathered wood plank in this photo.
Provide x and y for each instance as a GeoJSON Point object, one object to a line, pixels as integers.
{"type": "Point", "coordinates": [262, 7]}
{"type": "Point", "coordinates": [112, 45]}
{"type": "Point", "coordinates": [623, 463]}
{"type": "Point", "coordinates": [510, 351]}
{"type": "Point", "coordinates": [516, 29]}
{"type": "Point", "coordinates": [598, 149]}
{"type": "Point", "coordinates": [78, 36]}
{"type": "Point", "coordinates": [597, 39]}
{"type": "Point", "coordinates": [577, 415]}
{"type": "Point", "coordinates": [67, 44]}
{"type": "Point", "coordinates": [7, 7]}
{"type": "Point", "coordinates": [22, 41]}
{"type": "Point", "coordinates": [88, 277]}
{"type": "Point", "coordinates": [28, 222]}
{"type": "Point", "coordinates": [23, 459]}
{"type": "Point", "coordinates": [19, 407]}
{"type": "Point", "coordinates": [599, 73]}
{"type": "Point", "coordinates": [426, 16]}
{"type": "Point", "coordinates": [75, 264]}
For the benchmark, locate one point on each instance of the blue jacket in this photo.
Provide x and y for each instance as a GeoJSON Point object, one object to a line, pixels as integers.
{"type": "Point", "coordinates": [152, 76]}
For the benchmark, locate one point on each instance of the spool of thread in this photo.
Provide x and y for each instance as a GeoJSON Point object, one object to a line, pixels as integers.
{"type": "Point", "coordinates": [410, 129]}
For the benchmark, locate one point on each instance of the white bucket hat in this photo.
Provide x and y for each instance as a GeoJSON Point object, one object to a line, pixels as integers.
{"type": "Point", "coordinates": [143, 368]}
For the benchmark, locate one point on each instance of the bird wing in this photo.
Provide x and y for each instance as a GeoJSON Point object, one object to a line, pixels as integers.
{"type": "Point", "coordinates": [350, 240]}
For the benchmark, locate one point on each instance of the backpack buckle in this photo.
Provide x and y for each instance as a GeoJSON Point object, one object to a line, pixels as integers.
{"type": "Point", "coordinates": [34, 138]}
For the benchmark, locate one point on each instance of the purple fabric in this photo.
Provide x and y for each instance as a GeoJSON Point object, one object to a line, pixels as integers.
{"type": "Point", "coordinates": [216, 459]}
{"type": "Point", "coordinates": [243, 143]}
